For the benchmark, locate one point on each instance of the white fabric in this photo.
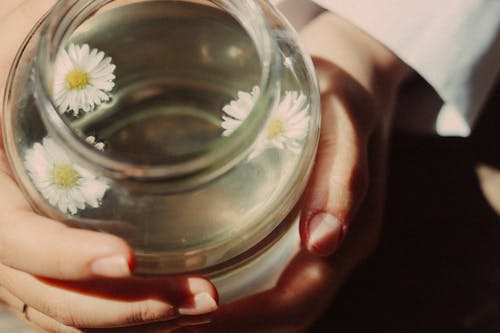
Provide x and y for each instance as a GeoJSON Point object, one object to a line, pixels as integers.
{"type": "Point", "coordinates": [453, 44]}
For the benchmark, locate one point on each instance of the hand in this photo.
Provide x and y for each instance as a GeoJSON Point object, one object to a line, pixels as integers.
{"type": "Point", "coordinates": [358, 79]}
{"type": "Point", "coordinates": [310, 282]}
{"type": "Point", "coordinates": [72, 279]}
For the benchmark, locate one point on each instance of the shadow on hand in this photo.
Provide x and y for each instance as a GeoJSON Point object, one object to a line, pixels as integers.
{"type": "Point", "coordinates": [437, 268]}
{"type": "Point", "coordinates": [173, 290]}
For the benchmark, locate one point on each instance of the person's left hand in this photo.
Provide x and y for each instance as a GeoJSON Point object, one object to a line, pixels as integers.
{"type": "Point", "coordinates": [62, 279]}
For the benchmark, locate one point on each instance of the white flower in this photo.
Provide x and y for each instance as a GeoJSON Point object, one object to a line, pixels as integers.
{"type": "Point", "coordinates": [287, 125]}
{"type": "Point", "coordinates": [93, 141]}
{"type": "Point", "coordinates": [83, 79]}
{"type": "Point", "coordinates": [64, 184]}
{"type": "Point", "coordinates": [238, 110]}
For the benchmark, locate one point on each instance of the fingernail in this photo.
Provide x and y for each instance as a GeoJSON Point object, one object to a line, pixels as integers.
{"type": "Point", "coordinates": [326, 233]}
{"type": "Point", "coordinates": [203, 303]}
{"type": "Point", "coordinates": [112, 267]}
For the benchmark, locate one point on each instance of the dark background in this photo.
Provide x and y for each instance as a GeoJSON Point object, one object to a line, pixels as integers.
{"type": "Point", "coordinates": [437, 268]}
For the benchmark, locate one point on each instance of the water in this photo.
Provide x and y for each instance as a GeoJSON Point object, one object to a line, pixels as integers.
{"type": "Point", "coordinates": [178, 64]}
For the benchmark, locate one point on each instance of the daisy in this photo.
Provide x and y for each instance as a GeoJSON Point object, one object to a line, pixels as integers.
{"type": "Point", "coordinates": [93, 141]}
{"type": "Point", "coordinates": [83, 79]}
{"type": "Point", "coordinates": [287, 125]}
{"type": "Point", "coordinates": [238, 110]}
{"type": "Point", "coordinates": [64, 184]}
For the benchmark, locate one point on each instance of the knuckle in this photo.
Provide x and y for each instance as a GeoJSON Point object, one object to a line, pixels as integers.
{"type": "Point", "coordinates": [63, 314]}
{"type": "Point", "coordinates": [147, 311]}
{"type": "Point", "coordinates": [65, 318]}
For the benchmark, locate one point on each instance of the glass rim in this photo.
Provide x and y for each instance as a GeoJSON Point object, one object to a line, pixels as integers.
{"type": "Point", "coordinates": [199, 169]}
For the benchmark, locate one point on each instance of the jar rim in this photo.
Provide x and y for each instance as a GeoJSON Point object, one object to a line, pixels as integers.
{"type": "Point", "coordinates": [185, 174]}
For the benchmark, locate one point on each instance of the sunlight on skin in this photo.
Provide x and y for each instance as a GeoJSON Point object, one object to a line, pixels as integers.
{"type": "Point", "coordinates": [309, 284]}
{"type": "Point", "coordinates": [75, 290]}
{"type": "Point", "coordinates": [489, 179]}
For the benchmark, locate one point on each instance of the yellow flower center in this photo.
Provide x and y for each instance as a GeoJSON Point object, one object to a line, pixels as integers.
{"type": "Point", "coordinates": [65, 176]}
{"type": "Point", "coordinates": [77, 80]}
{"type": "Point", "coordinates": [275, 129]}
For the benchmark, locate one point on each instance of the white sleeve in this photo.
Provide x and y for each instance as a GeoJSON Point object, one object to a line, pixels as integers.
{"type": "Point", "coordinates": [453, 44]}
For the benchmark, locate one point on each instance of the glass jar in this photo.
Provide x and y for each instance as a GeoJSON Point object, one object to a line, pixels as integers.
{"type": "Point", "coordinates": [188, 128]}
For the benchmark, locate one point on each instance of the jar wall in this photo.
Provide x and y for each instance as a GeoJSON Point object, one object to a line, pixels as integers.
{"type": "Point", "coordinates": [176, 81]}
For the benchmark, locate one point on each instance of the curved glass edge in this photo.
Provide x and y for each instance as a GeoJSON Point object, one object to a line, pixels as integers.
{"type": "Point", "coordinates": [179, 177]}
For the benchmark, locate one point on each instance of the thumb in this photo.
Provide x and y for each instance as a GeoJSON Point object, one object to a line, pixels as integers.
{"type": "Point", "coordinates": [339, 179]}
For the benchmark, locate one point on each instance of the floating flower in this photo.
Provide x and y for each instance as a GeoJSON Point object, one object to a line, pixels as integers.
{"type": "Point", "coordinates": [287, 125]}
{"type": "Point", "coordinates": [93, 141]}
{"type": "Point", "coordinates": [83, 79]}
{"type": "Point", "coordinates": [238, 110]}
{"type": "Point", "coordinates": [64, 184]}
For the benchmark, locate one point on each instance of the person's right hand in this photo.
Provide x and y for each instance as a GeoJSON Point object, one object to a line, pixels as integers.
{"type": "Point", "coordinates": [359, 79]}
{"type": "Point", "coordinates": [62, 279]}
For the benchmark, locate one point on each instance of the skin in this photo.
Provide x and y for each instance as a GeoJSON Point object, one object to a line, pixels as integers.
{"type": "Point", "coordinates": [359, 79]}
{"type": "Point", "coordinates": [49, 266]}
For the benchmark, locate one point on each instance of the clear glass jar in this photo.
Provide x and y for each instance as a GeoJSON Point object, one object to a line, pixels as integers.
{"type": "Point", "coordinates": [188, 128]}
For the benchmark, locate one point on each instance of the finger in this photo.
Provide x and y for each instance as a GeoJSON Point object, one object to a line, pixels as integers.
{"type": "Point", "coordinates": [111, 303]}
{"type": "Point", "coordinates": [45, 247]}
{"type": "Point", "coordinates": [303, 291]}
{"type": "Point", "coordinates": [33, 317]}
{"type": "Point", "coordinates": [339, 179]}
{"type": "Point", "coordinates": [6, 7]}
{"type": "Point", "coordinates": [309, 283]}
{"type": "Point", "coordinates": [15, 26]}
{"type": "Point", "coordinates": [39, 245]}
{"type": "Point", "coordinates": [176, 325]}
{"type": "Point", "coordinates": [182, 324]}
{"type": "Point", "coordinates": [41, 322]}
{"type": "Point", "coordinates": [48, 248]}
